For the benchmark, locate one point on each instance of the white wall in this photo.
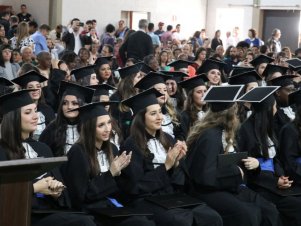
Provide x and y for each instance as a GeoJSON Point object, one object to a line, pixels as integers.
{"type": "Point", "coordinates": [39, 9]}
{"type": "Point", "coordinates": [190, 14]}
{"type": "Point", "coordinates": [252, 15]}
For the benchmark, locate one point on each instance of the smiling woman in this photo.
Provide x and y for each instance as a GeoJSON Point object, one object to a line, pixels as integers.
{"type": "Point", "coordinates": [63, 132]}
{"type": "Point", "coordinates": [20, 119]}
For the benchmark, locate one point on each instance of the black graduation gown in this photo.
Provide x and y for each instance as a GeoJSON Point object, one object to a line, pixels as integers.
{"type": "Point", "coordinates": [288, 206]}
{"type": "Point", "coordinates": [48, 136]}
{"type": "Point", "coordinates": [184, 126]}
{"type": "Point", "coordinates": [222, 188]}
{"type": "Point", "coordinates": [290, 151]}
{"type": "Point", "coordinates": [141, 179]}
{"type": "Point", "coordinates": [87, 191]}
{"type": "Point", "coordinates": [47, 111]}
{"type": "Point", "coordinates": [280, 119]}
{"type": "Point", "coordinates": [46, 117]}
{"type": "Point", "coordinates": [124, 119]}
{"type": "Point", "coordinates": [47, 202]}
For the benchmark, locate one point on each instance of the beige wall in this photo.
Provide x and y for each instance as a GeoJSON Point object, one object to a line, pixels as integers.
{"type": "Point", "coordinates": [38, 8]}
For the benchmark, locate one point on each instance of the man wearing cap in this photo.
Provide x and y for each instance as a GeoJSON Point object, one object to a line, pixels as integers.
{"type": "Point", "coordinates": [138, 45]}
{"type": "Point", "coordinates": [160, 30]}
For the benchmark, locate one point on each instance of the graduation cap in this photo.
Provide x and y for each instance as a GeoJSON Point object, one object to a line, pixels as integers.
{"type": "Point", "coordinates": [294, 64]}
{"type": "Point", "coordinates": [101, 89]}
{"type": "Point", "coordinates": [271, 69]}
{"type": "Point", "coordinates": [69, 88]}
{"type": "Point", "coordinates": [261, 97]}
{"type": "Point", "coordinates": [30, 76]}
{"type": "Point", "coordinates": [178, 64]}
{"type": "Point", "coordinates": [210, 64]}
{"type": "Point", "coordinates": [177, 76]}
{"type": "Point", "coordinates": [261, 59]}
{"type": "Point", "coordinates": [151, 79]}
{"type": "Point", "coordinates": [82, 72]}
{"type": "Point", "coordinates": [146, 69]}
{"type": "Point", "coordinates": [221, 98]}
{"type": "Point", "coordinates": [93, 110]}
{"type": "Point", "coordinates": [15, 100]}
{"type": "Point", "coordinates": [239, 70]}
{"type": "Point", "coordinates": [102, 60]}
{"type": "Point", "coordinates": [282, 81]}
{"type": "Point", "coordinates": [244, 78]}
{"type": "Point", "coordinates": [130, 70]}
{"type": "Point", "coordinates": [295, 98]}
{"type": "Point", "coordinates": [191, 83]}
{"type": "Point", "coordinates": [142, 100]}
{"type": "Point", "coordinates": [5, 82]}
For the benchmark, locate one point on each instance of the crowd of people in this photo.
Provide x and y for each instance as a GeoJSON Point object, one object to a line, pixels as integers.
{"type": "Point", "coordinates": [172, 130]}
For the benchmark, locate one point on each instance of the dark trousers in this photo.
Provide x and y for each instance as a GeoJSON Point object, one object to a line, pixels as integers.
{"type": "Point", "coordinates": [246, 208]}
{"type": "Point", "coordinates": [201, 215]}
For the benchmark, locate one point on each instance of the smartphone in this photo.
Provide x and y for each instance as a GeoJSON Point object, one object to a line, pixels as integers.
{"type": "Point", "coordinates": [81, 24]}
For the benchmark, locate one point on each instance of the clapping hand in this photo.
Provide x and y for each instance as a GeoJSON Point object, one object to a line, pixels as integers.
{"type": "Point", "coordinates": [119, 163]}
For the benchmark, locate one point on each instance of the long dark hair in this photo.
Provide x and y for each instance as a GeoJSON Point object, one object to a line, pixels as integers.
{"type": "Point", "coordinates": [11, 139]}
{"type": "Point", "coordinates": [61, 123]}
{"type": "Point", "coordinates": [87, 140]}
{"type": "Point", "coordinates": [110, 79]}
{"type": "Point", "coordinates": [264, 126]}
{"type": "Point", "coordinates": [126, 89]}
{"type": "Point", "coordinates": [139, 134]}
{"type": "Point", "coordinates": [297, 122]}
{"type": "Point", "coordinates": [191, 108]}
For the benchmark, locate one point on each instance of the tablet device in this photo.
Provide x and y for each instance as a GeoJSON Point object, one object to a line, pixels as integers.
{"type": "Point", "coordinates": [120, 212]}
{"type": "Point", "coordinates": [172, 201]}
{"type": "Point", "coordinates": [224, 160]}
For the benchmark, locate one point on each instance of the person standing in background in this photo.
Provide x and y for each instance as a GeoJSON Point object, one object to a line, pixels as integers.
{"type": "Point", "coordinates": [24, 15]}
{"type": "Point", "coordinates": [274, 43]}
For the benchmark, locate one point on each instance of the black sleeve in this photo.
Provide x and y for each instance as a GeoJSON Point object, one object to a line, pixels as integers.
{"type": "Point", "coordinates": [47, 136]}
{"type": "Point", "coordinates": [248, 143]}
{"type": "Point", "coordinates": [140, 177]}
{"type": "Point", "coordinates": [184, 126]}
{"type": "Point", "coordinates": [203, 167]}
{"type": "Point", "coordinates": [290, 149]}
{"type": "Point", "coordinates": [83, 187]}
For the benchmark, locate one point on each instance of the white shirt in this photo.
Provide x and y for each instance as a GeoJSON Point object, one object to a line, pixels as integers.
{"type": "Point", "coordinates": [167, 125]}
{"type": "Point", "coordinates": [77, 41]}
{"type": "Point", "coordinates": [72, 136]}
{"type": "Point", "coordinates": [103, 161]}
{"type": "Point", "coordinates": [40, 127]}
{"type": "Point", "coordinates": [157, 149]}
{"type": "Point", "coordinates": [288, 111]}
{"type": "Point", "coordinates": [29, 152]}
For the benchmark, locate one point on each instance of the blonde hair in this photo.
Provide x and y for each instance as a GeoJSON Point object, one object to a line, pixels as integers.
{"type": "Point", "coordinates": [226, 119]}
{"type": "Point", "coordinates": [22, 32]}
{"type": "Point", "coordinates": [172, 112]}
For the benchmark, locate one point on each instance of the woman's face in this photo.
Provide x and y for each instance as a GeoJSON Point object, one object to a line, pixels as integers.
{"type": "Point", "coordinates": [198, 93]}
{"type": "Point", "coordinates": [35, 95]}
{"type": "Point", "coordinates": [105, 71]}
{"type": "Point", "coordinates": [153, 118]}
{"type": "Point", "coordinates": [214, 76]}
{"type": "Point", "coordinates": [161, 87]}
{"type": "Point", "coordinates": [251, 85]}
{"type": "Point", "coordinates": [171, 87]}
{"type": "Point", "coordinates": [93, 80]}
{"type": "Point", "coordinates": [29, 118]}
{"type": "Point", "coordinates": [84, 55]}
{"type": "Point", "coordinates": [6, 54]}
{"type": "Point", "coordinates": [137, 78]}
{"type": "Point", "coordinates": [261, 68]}
{"type": "Point", "coordinates": [164, 57]}
{"type": "Point", "coordinates": [103, 128]}
{"type": "Point", "coordinates": [202, 56]}
{"type": "Point", "coordinates": [70, 102]}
